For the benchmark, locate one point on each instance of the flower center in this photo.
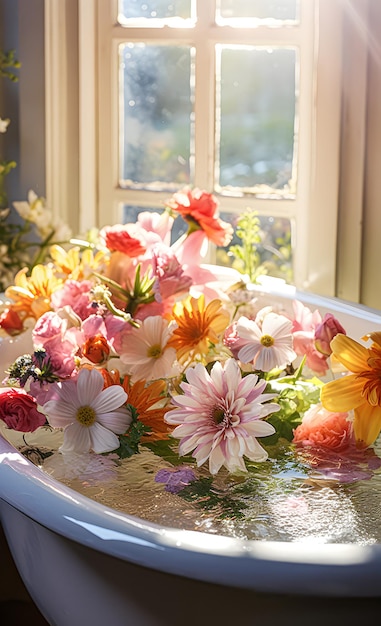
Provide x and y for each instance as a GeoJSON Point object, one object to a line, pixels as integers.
{"type": "Point", "coordinates": [218, 415]}
{"type": "Point", "coordinates": [154, 351]}
{"type": "Point", "coordinates": [86, 415]}
{"type": "Point", "coordinates": [267, 341]}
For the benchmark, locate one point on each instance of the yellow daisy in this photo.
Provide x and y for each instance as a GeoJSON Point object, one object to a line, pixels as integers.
{"type": "Point", "coordinates": [75, 264]}
{"type": "Point", "coordinates": [31, 294]}
{"type": "Point", "coordinates": [359, 390]}
{"type": "Point", "coordinates": [198, 326]}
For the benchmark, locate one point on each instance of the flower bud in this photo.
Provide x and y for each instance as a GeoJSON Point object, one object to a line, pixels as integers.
{"type": "Point", "coordinates": [328, 328]}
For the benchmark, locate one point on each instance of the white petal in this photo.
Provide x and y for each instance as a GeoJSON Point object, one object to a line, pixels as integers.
{"type": "Point", "coordinates": [117, 420]}
{"type": "Point", "coordinates": [102, 439]}
{"type": "Point", "coordinates": [89, 385]}
{"type": "Point", "coordinates": [76, 439]}
{"type": "Point", "coordinates": [108, 399]}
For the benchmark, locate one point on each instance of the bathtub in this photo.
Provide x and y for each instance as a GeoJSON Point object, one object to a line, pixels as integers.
{"type": "Point", "coordinates": [84, 563]}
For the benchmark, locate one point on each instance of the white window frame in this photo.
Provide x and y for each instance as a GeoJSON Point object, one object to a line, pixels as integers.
{"type": "Point", "coordinates": [315, 212]}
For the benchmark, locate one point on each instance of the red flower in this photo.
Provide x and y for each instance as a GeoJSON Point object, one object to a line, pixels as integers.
{"type": "Point", "coordinates": [19, 411]}
{"type": "Point", "coordinates": [11, 322]}
{"type": "Point", "coordinates": [200, 210]}
{"type": "Point", "coordinates": [126, 239]}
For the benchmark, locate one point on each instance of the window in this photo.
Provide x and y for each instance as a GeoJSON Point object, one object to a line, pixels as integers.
{"type": "Point", "coordinates": [240, 98]}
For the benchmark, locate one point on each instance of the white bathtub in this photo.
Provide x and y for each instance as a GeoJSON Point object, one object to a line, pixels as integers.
{"type": "Point", "coordinates": [86, 564]}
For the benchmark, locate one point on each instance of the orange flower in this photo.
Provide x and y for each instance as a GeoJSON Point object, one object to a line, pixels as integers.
{"type": "Point", "coordinates": [198, 326]}
{"type": "Point", "coordinates": [96, 349]}
{"type": "Point", "coordinates": [31, 295]}
{"type": "Point", "coordinates": [150, 404]}
{"type": "Point", "coordinates": [200, 210]}
{"type": "Point", "coordinates": [361, 389]}
{"type": "Point", "coordinates": [149, 401]}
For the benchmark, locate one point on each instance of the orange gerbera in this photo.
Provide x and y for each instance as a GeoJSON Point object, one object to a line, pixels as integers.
{"type": "Point", "coordinates": [359, 390]}
{"type": "Point", "coordinates": [31, 294]}
{"type": "Point", "coordinates": [148, 400]}
{"type": "Point", "coordinates": [198, 326]}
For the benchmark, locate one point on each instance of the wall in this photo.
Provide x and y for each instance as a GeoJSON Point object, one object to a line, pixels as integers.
{"type": "Point", "coordinates": [22, 30]}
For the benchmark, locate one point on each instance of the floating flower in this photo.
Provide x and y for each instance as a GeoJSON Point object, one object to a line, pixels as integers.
{"type": "Point", "coordinates": [200, 210]}
{"type": "Point", "coordinates": [361, 389]}
{"type": "Point", "coordinates": [175, 479]}
{"type": "Point", "coordinates": [146, 350]}
{"type": "Point", "coordinates": [323, 428]}
{"type": "Point", "coordinates": [268, 341]}
{"type": "Point", "coordinates": [91, 415]}
{"type": "Point", "coordinates": [151, 404]}
{"type": "Point", "coordinates": [220, 416]}
{"type": "Point", "coordinates": [19, 411]}
{"type": "Point", "coordinates": [198, 326]}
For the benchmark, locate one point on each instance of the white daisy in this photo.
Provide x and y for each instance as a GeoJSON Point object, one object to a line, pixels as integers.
{"type": "Point", "coordinates": [145, 350]}
{"type": "Point", "coordinates": [269, 341]}
{"type": "Point", "coordinates": [89, 414]}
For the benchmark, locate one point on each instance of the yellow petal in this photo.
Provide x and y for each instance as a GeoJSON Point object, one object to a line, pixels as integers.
{"type": "Point", "coordinates": [342, 394]}
{"type": "Point", "coordinates": [367, 423]}
{"type": "Point", "coordinates": [350, 353]}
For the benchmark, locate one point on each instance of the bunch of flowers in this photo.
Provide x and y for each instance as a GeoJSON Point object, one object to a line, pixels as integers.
{"type": "Point", "coordinates": [136, 342]}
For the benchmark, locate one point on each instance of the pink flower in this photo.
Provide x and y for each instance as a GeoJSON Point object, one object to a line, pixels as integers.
{"type": "Point", "coordinates": [328, 328]}
{"type": "Point", "coordinates": [171, 278]}
{"type": "Point", "coordinates": [220, 416]}
{"type": "Point", "coordinates": [233, 341]}
{"type": "Point", "coordinates": [320, 427]}
{"type": "Point", "coordinates": [267, 341]}
{"type": "Point", "coordinates": [303, 330]}
{"type": "Point", "coordinates": [19, 410]}
{"type": "Point", "coordinates": [159, 223]}
{"type": "Point", "coordinates": [75, 294]}
{"type": "Point", "coordinates": [59, 341]}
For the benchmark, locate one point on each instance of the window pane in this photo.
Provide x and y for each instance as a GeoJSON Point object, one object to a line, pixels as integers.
{"type": "Point", "coordinates": [154, 9]}
{"type": "Point", "coordinates": [260, 9]}
{"type": "Point", "coordinates": [274, 250]}
{"type": "Point", "coordinates": [156, 116]}
{"type": "Point", "coordinates": [130, 215]}
{"type": "Point", "coordinates": [256, 130]}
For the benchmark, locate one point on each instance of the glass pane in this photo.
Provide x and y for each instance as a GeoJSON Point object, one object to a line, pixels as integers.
{"type": "Point", "coordinates": [130, 215]}
{"type": "Point", "coordinates": [154, 9]}
{"type": "Point", "coordinates": [156, 116]}
{"type": "Point", "coordinates": [260, 9]}
{"type": "Point", "coordinates": [274, 251]}
{"type": "Point", "coordinates": [257, 127]}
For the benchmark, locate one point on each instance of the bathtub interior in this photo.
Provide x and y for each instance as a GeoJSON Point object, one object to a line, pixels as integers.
{"type": "Point", "coordinates": [257, 567]}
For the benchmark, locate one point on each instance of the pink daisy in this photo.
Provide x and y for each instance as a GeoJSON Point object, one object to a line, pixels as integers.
{"type": "Point", "coordinates": [220, 415]}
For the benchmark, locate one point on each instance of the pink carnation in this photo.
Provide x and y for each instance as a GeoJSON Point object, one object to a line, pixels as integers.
{"type": "Point", "coordinates": [321, 428]}
{"type": "Point", "coordinates": [75, 294]}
